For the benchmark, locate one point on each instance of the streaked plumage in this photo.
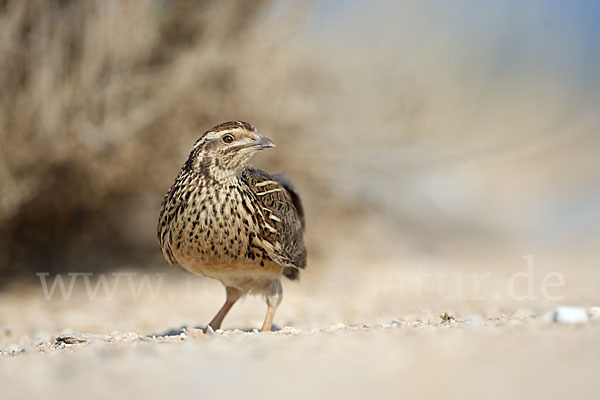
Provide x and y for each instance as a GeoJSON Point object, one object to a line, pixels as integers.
{"type": "Point", "coordinates": [227, 220]}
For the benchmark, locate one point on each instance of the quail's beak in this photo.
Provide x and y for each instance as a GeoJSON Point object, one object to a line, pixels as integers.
{"type": "Point", "coordinates": [261, 142]}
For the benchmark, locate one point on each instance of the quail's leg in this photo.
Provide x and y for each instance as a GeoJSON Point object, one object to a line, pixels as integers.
{"type": "Point", "coordinates": [233, 295]}
{"type": "Point", "coordinates": [273, 299]}
{"type": "Point", "coordinates": [268, 319]}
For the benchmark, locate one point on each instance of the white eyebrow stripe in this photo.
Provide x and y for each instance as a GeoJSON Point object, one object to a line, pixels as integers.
{"type": "Point", "coordinates": [265, 183]}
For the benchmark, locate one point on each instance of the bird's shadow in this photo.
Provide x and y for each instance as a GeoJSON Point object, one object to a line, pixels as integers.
{"type": "Point", "coordinates": [184, 328]}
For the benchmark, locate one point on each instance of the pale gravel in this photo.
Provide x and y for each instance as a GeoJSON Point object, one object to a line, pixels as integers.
{"type": "Point", "coordinates": [350, 335]}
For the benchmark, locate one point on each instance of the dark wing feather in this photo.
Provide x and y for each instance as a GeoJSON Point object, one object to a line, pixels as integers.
{"type": "Point", "coordinates": [295, 196]}
{"type": "Point", "coordinates": [291, 272]}
{"type": "Point", "coordinates": [282, 218]}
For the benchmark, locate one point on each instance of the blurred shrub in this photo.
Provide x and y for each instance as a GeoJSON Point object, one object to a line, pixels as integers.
{"type": "Point", "coordinates": [99, 100]}
{"type": "Point", "coordinates": [382, 134]}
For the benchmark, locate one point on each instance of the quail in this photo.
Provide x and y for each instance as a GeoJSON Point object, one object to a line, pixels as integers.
{"type": "Point", "coordinates": [226, 220]}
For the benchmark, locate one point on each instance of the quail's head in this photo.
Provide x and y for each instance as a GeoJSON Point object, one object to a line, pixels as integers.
{"type": "Point", "coordinates": [226, 149]}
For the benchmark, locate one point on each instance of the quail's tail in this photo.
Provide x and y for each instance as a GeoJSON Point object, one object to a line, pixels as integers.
{"type": "Point", "coordinates": [291, 273]}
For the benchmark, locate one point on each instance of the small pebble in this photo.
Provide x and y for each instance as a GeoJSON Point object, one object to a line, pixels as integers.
{"type": "Point", "coordinates": [76, 337]}
{"type": "Point", "coordinates": [594, 312]}
{"type": "Point", "coordinates": [210, 331]}
{"type": "Point", "coordinates": [289, 330]}
{"type": "Point", "coordinates": [130, 337]}
{"type": "Point", "coordinates": [521, 314]}
{"type": "Point", "coordinates": [14, 349]}
{"type": "Point", "coordinates": [195, 332]}
{"type": "Point", "coordinates": [570, 315]}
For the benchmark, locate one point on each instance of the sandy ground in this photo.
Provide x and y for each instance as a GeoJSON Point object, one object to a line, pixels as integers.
{"type": "Point", "coordinates": [345, 330]}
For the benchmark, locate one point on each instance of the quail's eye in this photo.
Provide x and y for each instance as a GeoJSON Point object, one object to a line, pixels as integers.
{"type": "Point", "coordinates": [227, 139]}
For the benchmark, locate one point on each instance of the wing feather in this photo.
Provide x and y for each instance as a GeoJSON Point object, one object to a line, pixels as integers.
{"type": "Point", "coordinates": [282, 219]}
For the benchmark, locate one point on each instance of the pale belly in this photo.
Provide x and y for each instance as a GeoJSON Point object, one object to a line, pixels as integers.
{"type": "Point", "coordinates": [248, 277]}
{"type": "Point", "coordinates": [216, 240]}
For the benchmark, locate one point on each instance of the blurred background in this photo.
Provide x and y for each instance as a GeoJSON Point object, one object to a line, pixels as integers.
{"type": "Point", "coordinates": [435, 144]}
{"type": "Point", "coordinates": [429, 128]}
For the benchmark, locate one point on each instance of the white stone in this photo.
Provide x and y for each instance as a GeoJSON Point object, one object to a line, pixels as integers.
{"type": "Point", "coordinates": [570, 315]}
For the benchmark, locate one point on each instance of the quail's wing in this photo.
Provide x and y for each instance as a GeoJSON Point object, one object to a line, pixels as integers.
{"type": "Point", "coordinates": [294, 195]}
{"type": "Point", "coordinates": [282, 218]}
